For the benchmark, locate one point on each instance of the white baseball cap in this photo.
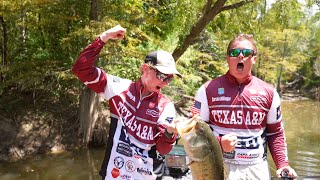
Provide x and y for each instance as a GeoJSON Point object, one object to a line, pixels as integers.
{"type": "Point", "coordinates": [163, 61]}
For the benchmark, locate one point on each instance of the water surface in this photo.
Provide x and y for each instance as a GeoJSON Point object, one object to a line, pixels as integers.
{"type": "Point", "coordinates": [301, 121]}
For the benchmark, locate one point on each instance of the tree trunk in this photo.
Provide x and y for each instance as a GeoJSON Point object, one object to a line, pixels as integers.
{"type": "Point", "coordinates": [210, 12]}
{"type": "Point", "coordinates": [4, 46]}
{"type": "Point", "coordinates": [285, 44]}
{"type": "Point", "coordinates": [90, 107]}
{"type": "Point", "coordinates": [279, 89]}
{"type": "Point", "coordinates": [258, 66]}
{"type": "Point", "coordinates": [41, 32]}
{"type": "Point", "coordinates": [94, 10]}
{"type": "Point", "coordinates": [24, 26]}
{"type": "Point", "coordinates": [90, 103]}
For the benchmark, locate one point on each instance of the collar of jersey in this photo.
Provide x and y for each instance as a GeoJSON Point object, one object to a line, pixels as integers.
{"type": "Point", "coordinates": [139, 87]}
{"type": "Point", "coordinates": [234, 81]}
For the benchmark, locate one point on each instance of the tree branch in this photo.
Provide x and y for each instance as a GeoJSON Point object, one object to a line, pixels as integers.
{"type": "Point", "coordinates": [236, 5]}
{"type": "Point", "coordinates": [207, 6]}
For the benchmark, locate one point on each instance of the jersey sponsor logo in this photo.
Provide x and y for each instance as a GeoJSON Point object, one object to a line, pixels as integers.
{"type": "Point", "coordinates": [151, 105]}
{"type": "Point", "coordinates": [248, 142]}
{"type": "Point", "coordinates": [130, 166]}
{"type": "Point", "coordinates": [220, 91]}
{"type": "Point", "coordinates": [133, 98]}
{"type": "Point", "coordinates": [253, 91]}
{"type": "Point", "coordinates": [278, 112]}
{"type": "Point", "coordinates": [139, 128]}
{"type": "Point", "coordinates": [124, 149]}
{"type": "Point", "coordinates": [144, 171]}
{"type": "Point", "coordinates": [222, 98]}
{"type": "Point", "coordinates": [115, 172]}
{"type": "Point", "coordinates": [118, 162]}
{"type": "Point", "coordinates": [152, 113]}
{"type": "Point", "coordinates": [125, 176]}
{"type": "Point", "coordinates": [238, 117]}
{"type": "Point", "coordinates": [258, 99]}
{"type": "Point", "coordinates": [247, 155]}
{"type": "Point", "coordinates": [169, 119]}
{"type": "Point", "coordinates": [229, 155]}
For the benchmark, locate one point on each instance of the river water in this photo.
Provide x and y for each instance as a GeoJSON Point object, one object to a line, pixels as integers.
{"type": "Point", "coordinates": [302, 127]}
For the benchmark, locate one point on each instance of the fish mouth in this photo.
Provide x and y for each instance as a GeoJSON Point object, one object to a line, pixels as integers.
{"type": "Point", "coordinates": [193, 139]}
{"type": "Point", "coordinates": [240, 66]}
{"type": "Point", "coordinates": [185, 125]}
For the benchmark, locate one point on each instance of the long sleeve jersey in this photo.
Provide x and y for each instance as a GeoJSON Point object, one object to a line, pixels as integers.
{"type": "Point", "coordinates": [251, 111]}
{"type": "Point", "coordinates": [137, 141]}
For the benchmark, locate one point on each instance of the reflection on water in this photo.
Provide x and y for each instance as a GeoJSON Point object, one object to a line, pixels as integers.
{"type": "Point", "coordinates": [77, 165]}
{"type": "Point", "coordinates": [302, 127]}
{"type": "Point", "coordinates": [301, 121]}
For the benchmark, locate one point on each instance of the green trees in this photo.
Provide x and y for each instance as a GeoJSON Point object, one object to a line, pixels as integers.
{"type": "Point", "coordinates": [40, 40]}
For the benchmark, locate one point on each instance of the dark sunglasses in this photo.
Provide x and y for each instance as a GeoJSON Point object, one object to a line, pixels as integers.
{"type": "Point", "coordinates": [236, 52]}
{"type": "Point", "coordinates": [162, 77]}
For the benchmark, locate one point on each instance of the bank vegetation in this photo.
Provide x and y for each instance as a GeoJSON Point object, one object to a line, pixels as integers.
{"type": "Point", "coordinates": [44, 108]}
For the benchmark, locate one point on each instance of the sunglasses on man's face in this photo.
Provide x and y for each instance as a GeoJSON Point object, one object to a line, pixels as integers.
{"type": "Point", "coordinates": [236, 52]}
{"type": "Point", "coordinates": [162, 77]}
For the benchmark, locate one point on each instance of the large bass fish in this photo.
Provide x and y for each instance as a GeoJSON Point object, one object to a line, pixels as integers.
{"type": "Point", "coordinates": [202, 149]}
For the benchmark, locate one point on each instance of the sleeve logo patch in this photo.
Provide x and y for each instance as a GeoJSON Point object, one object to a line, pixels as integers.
{"type": "Point", "coordinates": [115, 79]}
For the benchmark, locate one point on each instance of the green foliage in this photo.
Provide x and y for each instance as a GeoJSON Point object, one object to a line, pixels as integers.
{"type": "Point", "coordinates": [310, 69]}
{"type": "Point", "coordinates": [46, 36]}
{"type": "Point", "coordinates": [235, 21]}
{"type": "Point", "coordinates": [34, 78]}
{"type": "Point", "coordinates": [287, 13]}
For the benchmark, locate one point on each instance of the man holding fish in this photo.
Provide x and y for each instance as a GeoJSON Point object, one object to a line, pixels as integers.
{"type": "Point", "coordinates": [244, 113]}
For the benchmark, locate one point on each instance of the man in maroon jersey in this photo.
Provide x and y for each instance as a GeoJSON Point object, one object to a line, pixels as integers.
{"type": "Point", "coordinates": [141, 128]}
{"type": "Point", "coordinates": [244, 113]}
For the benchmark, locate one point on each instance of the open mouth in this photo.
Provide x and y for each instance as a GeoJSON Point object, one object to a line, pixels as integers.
{"type": "Point", "coordinates": [240, 66]}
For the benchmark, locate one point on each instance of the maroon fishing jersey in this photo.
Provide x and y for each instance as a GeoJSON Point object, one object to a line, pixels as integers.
{"type": "Point", "coordinates": [251, 111]}
{"type": "Point", "coordinates": [137, 141]}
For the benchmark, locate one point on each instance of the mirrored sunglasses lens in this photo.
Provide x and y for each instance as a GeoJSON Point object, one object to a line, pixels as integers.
{"type": "Point", "coordinates": [234, 52]}
{"type": "Point", "coordinates": [247, 52]}
{"type": "Point", "coordinates": [169, 79]}
{"type": "Point", "coordinates": [164, 77]}
{"type": "Point", "coordinates": [161, 76]}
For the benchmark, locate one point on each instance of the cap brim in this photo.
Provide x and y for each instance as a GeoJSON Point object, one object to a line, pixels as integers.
{"type": "Point", "coordinates": [168, 70]}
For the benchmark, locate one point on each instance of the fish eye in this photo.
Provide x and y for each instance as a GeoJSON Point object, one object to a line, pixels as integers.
{"type": "Point", "coordinates": [201, 130]}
